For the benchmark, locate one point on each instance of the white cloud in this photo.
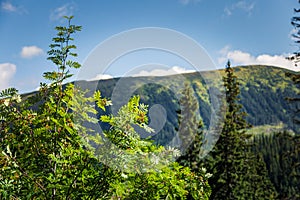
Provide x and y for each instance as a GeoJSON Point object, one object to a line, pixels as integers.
{"type": "Point", "coordinates": [8, 7]}
{"type": "Point", "coordinates": [154, 72]}
{"type": "Point", "coordinates": [238, 57]}
{"type": "Point", "coordinates": [65, 10]}
{"type": "Point", "coordinates": [292, 33]}
{"type": "Point", "coordinates": [241, 57]}
{"type": "Point", "coordinates": [7, 70]}
{"type": "Point", "coordinates": [243, 5]}
{"type": "Point", "coordinates": [186, 2]}
{"type": "Point", "coordinates": [101, 77]}
{"type": "Point", "coordinates": [163, 72]}
{"type": "Point", "coordinates": [227, 11]}
{"type": "Point", "coordinates": [31, 51]}
{"type": "Point", "coordinates": [240, 5]}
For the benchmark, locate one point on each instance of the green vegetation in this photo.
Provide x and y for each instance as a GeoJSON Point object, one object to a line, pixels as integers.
{"type": "Point", "coordinates": [263, 93]}
{"type": "Point", "coordinates": [280, 153]}
{"type": "Point", "coordinates": [48, 151]}
{"type": "Point", "coordinates": [52, 146]}
{"type": "Point", "coordinates": [236, 172]}
{"type": "Point", "coordinates": [190, 131]}
{"type": "Point", "coordinates": [266, 129]}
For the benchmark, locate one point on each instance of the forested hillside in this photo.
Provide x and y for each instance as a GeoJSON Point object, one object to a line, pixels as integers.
{"type": "Point", "coordinates": [153, 129]}
{"type": "Point", "coordinates": [280, 151]}
{"type": "Point", "coordinates": [264, 93]}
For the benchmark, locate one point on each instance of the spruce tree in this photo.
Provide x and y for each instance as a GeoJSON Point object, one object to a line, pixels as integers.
{"type": "Point", "coordinates": [233, 167]}
{"type": "Point", "coordinates": [295, 77]}
{"type": "Point", "coordinates": [279, 149]}
{"type": "Point", "coordinates": [295, 22]}
{"type": "Point", "coordinates": [190, 130]}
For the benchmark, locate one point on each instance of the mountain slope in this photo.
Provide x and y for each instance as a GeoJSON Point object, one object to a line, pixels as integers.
{"type": "Point", "coordinates": [264, 90]}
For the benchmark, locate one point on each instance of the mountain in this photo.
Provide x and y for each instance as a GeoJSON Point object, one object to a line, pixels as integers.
{"type": "Point", "coordinates": [264, 90]}
{"type": "Point", "coordinates": [264, 93]}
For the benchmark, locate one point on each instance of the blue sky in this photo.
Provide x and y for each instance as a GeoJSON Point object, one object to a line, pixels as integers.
{"type": "Point", "coordinates": [244, 31]}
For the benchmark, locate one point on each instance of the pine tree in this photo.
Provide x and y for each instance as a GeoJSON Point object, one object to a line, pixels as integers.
{"type": "Point", "coordinates": [296, 24]}
{"type": "Point", "coordinates": [233, 167]}
{"type": "Point", "coordinates": [279, 150]}
{"type": "Point", "coordinates": [190, 130]}
{"type": "Point", "coordinates": [228, 152]}
{"type": "Point", "coordinates": [295, 77]}
{"type": "Point", "coordinates": [256, 183]}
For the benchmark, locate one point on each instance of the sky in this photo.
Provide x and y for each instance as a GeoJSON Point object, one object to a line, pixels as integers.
{"type": "Point", "coordinates": [143, 37]}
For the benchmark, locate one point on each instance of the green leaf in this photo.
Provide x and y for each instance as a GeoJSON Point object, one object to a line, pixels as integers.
{"type": "Point", "coordinates": [106, 118]}
{"type": "Point", "coordinates": [9, 92]}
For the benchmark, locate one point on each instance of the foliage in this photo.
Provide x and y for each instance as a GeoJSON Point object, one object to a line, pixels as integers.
{"type": "Point", "coordinates": [295, 77]}
{"type": "Point", "coordinates": [147, 171]}
{"type": "Point", "coordinates": [263, 92]}
{"type": "Point", "coordinates": [190, 130]}
{"type": "Point", "coordinates": [49, 151]}
{"type": "Point", "coordinates": [43, 151]}
{"type": "Point", "coordinates": [280, 150]}
{"type": "Point", "coordinates": [296, 35]}
{"type": "Point", "coordinates": [235, 171]}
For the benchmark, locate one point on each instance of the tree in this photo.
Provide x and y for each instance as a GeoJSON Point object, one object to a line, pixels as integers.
{"type": "Point", "coordinates": [228, 153]}
{"type": "Point", "coordinates": [296, 35]}
{"type": "Point", "coordinates": [43, 147]}
{"type": "Point", "coordinates": [280, 152]}
{"type": "Point", "coordinates": [48, 152]}
{"type": "Point", "coordinates": [232, 166]}
{"type": "Point", "coordinates": [190, 130]}
{"type": "Point", "coordinates": [295, 77]}
{"type": "Point", "coordinates": [295, 100]}
{"type": "Point", "coordinates": [148, 171]}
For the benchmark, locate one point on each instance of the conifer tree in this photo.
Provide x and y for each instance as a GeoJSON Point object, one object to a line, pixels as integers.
{"type": "Point", "coordinates": [295, 22]}
{"type": "Point", "coordinates": [230, 162]}
{"type": "Point", "coordinates": [279, 149]}
{"type": "Point", "coordinates": [228, 152]}
{"type": "Point", "coordinates": [190, 130]}
{"type": "Point", "coordinates": [295, 77]}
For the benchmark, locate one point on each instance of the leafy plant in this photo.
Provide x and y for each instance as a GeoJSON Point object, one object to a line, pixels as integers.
{"type": "Point", "coordinates": [49, 151]}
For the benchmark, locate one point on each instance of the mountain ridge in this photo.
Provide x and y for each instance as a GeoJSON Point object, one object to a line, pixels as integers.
{"type": "Point", "coordinates": [264, 90]}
